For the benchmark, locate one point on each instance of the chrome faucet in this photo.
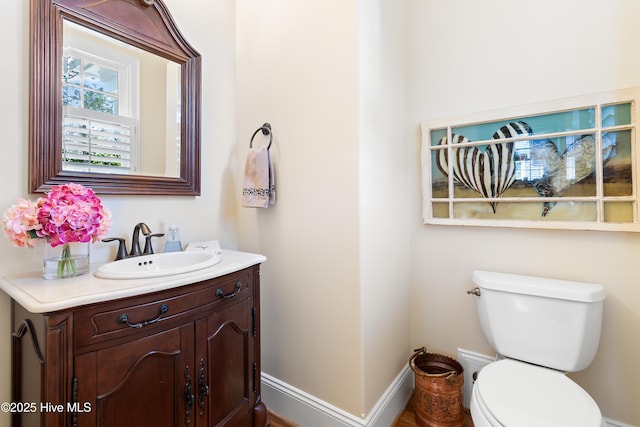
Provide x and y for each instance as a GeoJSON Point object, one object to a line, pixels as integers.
{"type": "Point", "coordinates": [135, 242]}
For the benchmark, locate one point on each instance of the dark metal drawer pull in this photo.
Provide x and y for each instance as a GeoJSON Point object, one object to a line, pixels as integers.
{"type": "Point", "coordinates": [220, 293]}
{"type": "Point", "coordinates": [188, 396]}
{"type": "Point", "coordinates": [124, 318]}
{"type": "Point", "coordinates": [203, 388]}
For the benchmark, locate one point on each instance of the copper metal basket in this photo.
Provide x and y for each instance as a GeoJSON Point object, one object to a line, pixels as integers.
{"type": "Point", "coordinates": [438, 390]}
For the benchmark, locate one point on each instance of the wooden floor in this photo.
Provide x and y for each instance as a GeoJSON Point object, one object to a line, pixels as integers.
{"type": "Point", "coordinates": [407, 418]}
{"type": "Point", "coordinates": [275, 420]}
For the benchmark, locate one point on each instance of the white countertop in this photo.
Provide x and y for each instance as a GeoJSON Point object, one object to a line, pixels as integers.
{"type": "Point", "coordinates": [43, 296]}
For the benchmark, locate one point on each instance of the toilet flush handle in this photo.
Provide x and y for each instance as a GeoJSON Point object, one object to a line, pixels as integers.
{"type": "Point", "coordinates": [475, 291]}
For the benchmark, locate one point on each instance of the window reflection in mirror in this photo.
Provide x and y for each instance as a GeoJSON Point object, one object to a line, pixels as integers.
{"type": "Point", "coordinates": [121, 107]}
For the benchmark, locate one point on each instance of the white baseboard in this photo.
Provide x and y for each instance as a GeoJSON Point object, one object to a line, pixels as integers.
{"type": "Point", "coordinates": [309, 411]}
{"type": "Point", "coordinates": [471, 362]}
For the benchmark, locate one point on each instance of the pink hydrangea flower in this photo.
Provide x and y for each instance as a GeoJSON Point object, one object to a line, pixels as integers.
{"type": "Point", "coordinates": [71, 213]}
{"type": "Point", "coordinates": [21, 223]}
{"type": "Point", "coordinates": [104, 227]}
{"type": "Point", "coordinates": [68, 213]}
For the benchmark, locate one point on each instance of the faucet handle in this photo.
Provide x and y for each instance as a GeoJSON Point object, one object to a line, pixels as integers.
{"type": "Point", "coordinates": [148, 249]}
{"type": "Point", "coordinates": [122, 249]}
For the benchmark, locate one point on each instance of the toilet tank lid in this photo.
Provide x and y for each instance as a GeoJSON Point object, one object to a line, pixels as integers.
{"type": "Point", "coordinates": [539, 286]}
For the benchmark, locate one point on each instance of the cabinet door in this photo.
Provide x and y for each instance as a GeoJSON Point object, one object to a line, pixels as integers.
{"type": "Point", "coordinates": [227, 366]}
{"type": "Point", "coordinates": [144, 382]}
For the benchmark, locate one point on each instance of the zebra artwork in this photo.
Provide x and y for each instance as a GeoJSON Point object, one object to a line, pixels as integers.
{"type": "Point", "coordinates": [493, 171]}
{"type": "Point", "coordinates": [490, 172]}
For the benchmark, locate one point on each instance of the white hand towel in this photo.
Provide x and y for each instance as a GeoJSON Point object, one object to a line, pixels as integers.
{"type": "Point", "coordinates": [258, 184]}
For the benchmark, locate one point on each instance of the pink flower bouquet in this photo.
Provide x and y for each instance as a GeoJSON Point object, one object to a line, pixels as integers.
{"type": "Point", "coordinates": [66, 214]}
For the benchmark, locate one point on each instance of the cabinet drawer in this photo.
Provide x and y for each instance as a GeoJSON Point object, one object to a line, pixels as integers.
{"type": "Point", "coordinates": [115, 319]}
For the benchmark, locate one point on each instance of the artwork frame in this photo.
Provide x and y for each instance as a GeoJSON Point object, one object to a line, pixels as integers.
{"type": "Point", "coordinates": [565, 164]}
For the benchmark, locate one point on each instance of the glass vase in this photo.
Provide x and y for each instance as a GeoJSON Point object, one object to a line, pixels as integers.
{"type": "Point", "coordinates": [68, 260]}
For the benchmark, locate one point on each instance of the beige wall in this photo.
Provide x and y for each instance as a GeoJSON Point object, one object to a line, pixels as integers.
{"type": "Point", "coordinates": [153, 104]}
{"type": "Point", "coordinates": [469, 56]}
{"type": "Point", "coordinates": [383, 195]}
{"type": "Point", "coordinates": [311, 311]}
{"type": "Point", "coordinates": [335, 288]}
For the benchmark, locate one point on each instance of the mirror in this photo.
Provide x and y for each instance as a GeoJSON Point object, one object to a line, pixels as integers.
{"type": "Point", "coordinates": [120, 107]}
{"type": "Point", "coordinates": [115, 98]}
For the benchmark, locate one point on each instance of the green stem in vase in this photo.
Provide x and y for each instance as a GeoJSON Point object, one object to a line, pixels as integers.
{"type": "Point", "coordinates": [66, 263]}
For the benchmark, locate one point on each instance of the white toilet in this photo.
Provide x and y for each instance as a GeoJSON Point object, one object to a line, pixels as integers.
{"type": "Point", "coordinates": [540, 328]}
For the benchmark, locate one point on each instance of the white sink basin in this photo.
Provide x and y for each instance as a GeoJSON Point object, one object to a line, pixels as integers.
{"type": "Point", "coordinates": [156, 265]}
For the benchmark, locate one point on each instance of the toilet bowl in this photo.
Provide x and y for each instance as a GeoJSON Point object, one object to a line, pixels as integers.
{"type": "Point", "coordinates": [517, 394]}
{"type": "Point", "coordinates": [541, 328]}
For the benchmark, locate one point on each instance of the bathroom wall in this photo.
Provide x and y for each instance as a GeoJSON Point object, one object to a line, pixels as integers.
{"type": "Point", "coordinates": [469, 56]}
{"type": "Point", "coordinates": [209, 27]}
{"type": "Point", "coordinates": [383, 194]}
{"type": "Point", "coordinates": [335, 286]}
{"type": "Point", "coordinates": [310, 306]}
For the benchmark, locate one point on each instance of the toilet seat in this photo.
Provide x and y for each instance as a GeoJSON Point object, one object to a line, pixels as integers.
{"type": "Point", "coordinates": [516, 394]}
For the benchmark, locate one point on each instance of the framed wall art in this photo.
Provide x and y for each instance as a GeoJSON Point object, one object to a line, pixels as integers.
{"type": "Point", "coordinates": [569, 163]}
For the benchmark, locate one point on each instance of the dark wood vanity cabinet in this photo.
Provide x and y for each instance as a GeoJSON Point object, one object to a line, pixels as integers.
{"type": "Point", "coordinates": [187, 356]}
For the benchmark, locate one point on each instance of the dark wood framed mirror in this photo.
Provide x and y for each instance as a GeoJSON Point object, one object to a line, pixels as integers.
{"type": "Point", "coordinates": [93, 120]}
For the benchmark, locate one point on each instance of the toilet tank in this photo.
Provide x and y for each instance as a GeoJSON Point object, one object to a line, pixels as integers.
{"type": "Point", "coordinates": [547, 322]}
